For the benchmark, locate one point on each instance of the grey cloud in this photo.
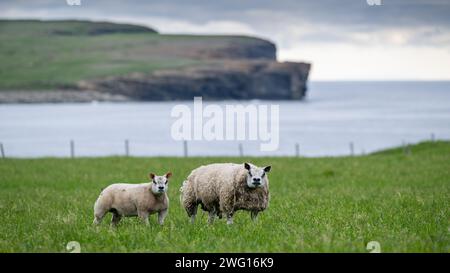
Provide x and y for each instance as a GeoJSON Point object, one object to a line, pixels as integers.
{"type": "Point", "coordinates": [326, 20]}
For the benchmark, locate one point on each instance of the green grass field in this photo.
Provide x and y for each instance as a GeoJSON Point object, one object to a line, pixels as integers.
{"type": "Point", "coordinates": [52, 54]}
{"type": "Point", "coordinates": [317, 205]}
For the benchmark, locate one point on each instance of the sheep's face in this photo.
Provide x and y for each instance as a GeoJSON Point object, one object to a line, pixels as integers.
{"type": "Point", "coordinates": [160, 184]}
{"type": "Point", "coordinates": [256, 177]}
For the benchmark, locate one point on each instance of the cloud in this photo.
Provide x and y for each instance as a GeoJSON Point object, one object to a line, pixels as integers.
{"type": "Point", "coordinates": [290, 21]}
{"type": "Point", "coordinates": [211, 27]}
{"type": "Point", "coordinates": [353, 62]}
{"type": "Point", "coordinates": [340, 29]}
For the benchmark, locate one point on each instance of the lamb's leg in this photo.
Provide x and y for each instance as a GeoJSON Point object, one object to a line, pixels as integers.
{"type": "Point", "coordinates": [162, 215]}
{"type": "Point", "coordinates": [115, 219]}
{"type": "Point", "coordinates": [254, 214]}
{"type": "Point", "coordinates": [144, 217]}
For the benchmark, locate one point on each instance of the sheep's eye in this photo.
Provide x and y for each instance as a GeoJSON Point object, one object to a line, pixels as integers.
{"type": "Point", "coordinates": [154, 182]}
{"type": "Point", "coordinates": [263, 175]}
{"type": "Point", "coordinates": [167, 181]}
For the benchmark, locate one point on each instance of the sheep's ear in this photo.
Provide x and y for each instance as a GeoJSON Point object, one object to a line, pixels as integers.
{"type": "Point", "coordinates": [267, 169]}
{"type": "Point", "coordinates": [151, 175]}
{"type": "Point", "coordinates": [247, 166]}
{"type": "Point", "coordinates": [168, 175]}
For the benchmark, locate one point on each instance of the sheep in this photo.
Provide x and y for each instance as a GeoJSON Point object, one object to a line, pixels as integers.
{"type": "Point", "coordinates": [224, 188]}
{"type": "Point", "coordinates": [134, 200]}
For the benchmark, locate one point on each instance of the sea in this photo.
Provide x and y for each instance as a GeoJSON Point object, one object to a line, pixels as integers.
{"type": "Point", "coordinates": [335, 119]}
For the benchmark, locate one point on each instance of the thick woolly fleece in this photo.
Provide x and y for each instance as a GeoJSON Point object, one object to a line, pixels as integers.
{"type": "Point", "coordinates": [222, 188]}
{"type": "Point", "coordinates": [130, 200]}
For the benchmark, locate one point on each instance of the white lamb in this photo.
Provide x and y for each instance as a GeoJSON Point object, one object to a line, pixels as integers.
{"type": "Point", "coordinates": [134, 200]}
{"type": "Point", "coordinates": [225, 188]}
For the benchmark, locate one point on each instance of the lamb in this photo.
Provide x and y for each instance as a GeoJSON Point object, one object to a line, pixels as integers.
{"type": "Point", "coordinates": [225, 188]}
{"type": "Point", "coordinates": [134, 200]}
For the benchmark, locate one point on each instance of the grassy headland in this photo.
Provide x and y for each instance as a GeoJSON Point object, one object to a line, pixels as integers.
{"type": "Point", "coordinates": [36, 55]}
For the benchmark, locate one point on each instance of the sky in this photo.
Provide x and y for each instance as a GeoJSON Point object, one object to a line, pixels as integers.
{"type": "Point", "coordinates": [343, 39]}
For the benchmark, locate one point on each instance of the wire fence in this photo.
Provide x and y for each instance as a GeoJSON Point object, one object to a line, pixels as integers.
{"type": "Point", "coordinates": [240, 149]}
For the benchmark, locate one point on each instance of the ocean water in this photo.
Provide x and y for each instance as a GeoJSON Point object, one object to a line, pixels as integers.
{"type": "Point", "coordinates": [370, 115]}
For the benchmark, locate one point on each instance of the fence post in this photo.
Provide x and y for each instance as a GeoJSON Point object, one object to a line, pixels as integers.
{"type": "Point", "coordinates": [297, 150]}
{"type": "Point", "coordinates": [241, 150]}
{"type": "Point", "coordinates": [406, 148]}
{"type": "Point", "coordinates": [432, 137]}
{"type": "Point", "coordinates": [185, 148]}
{"type": "Point", "coordinates": [351, 149]}
{"type": "Point", "coordinates": [2, 150]}
{"type": "Point", "coordinates": [72, 149]}
{"type": "Point", "coordinates": [127, 147]}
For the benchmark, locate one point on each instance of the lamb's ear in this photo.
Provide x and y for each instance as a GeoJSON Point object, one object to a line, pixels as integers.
{"type": "Point", "coordinates": [267, 169]}
{"type": "Point", "coordinates": [168, 175]}
{"type": "Point", "coordinates": [247, 166]}
{"type": "Point", "coordinates": [151, 175]}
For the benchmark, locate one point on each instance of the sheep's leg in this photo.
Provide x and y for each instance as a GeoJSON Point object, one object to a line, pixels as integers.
{"type": "Point", "coordinates": [254, 214]}
{"type": "Point", "coordinates": [193, 217]}
{"type": "Point", "coordinates": [190, 204]}
{"type": "Point", "coordinates": [144, 217]}
{"type": "Point", "coordinates": [217, 210]}
{"type": "Point", "coordinates": [229, 218]}
{"type": "Point", "coordinates": [192, 212]}
{"type": "Point", "coordinates": [115, 219]}
{"type": "Point", "coordinates": [226, 205]}
{"type": "Point", "coordinates": [212, 215]}
{"type": "Point", "coordinates": [161, 216]}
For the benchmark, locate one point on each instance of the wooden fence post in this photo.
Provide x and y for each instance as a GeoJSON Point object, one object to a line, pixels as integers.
{"type": "Point", "coordinates": [2, 150]}
{"type": "Point", "coordinates": [185, 148]}
{"type": "Point", "coordinates": [241, 150]}
{"type": "Point", "coordinates": [406, 148]}
{"type": "Point", "coordinates": [72, 149]}
{"type": "Point", "coordinates": [127, 147]}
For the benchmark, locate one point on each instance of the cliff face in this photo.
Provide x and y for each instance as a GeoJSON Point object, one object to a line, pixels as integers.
{"type": "Point", "coordinates": [226, 80]}
{"type": "Point", "coordinates": [235, 69]}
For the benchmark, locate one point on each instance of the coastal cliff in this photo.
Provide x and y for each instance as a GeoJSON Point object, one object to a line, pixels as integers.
{"type": "Point", "coordinates": [226, 80]}
{"type": "Point", "coordinates": [85, 61]}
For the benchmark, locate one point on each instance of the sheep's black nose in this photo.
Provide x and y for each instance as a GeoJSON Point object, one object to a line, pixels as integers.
{"type": "Point", "coordinates": [256, 180]}
{"type": "Point", "coordinates": [161, 188]}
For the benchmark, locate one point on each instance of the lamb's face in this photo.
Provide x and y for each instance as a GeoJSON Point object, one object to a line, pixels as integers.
{"type": "Point", "coordinates": [256, 177]}
{"type": "Point", "coordinates": [160, 184]}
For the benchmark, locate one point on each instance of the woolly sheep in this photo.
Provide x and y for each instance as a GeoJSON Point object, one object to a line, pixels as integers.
{"type": "Point", "coordinates": [134, 200]}
{"type": "Point", "coordinates": [224, 188]}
